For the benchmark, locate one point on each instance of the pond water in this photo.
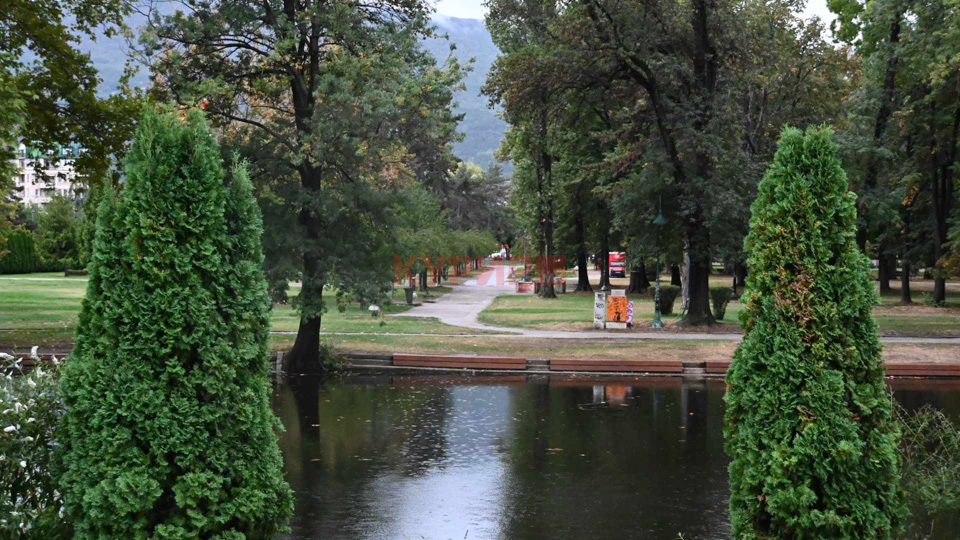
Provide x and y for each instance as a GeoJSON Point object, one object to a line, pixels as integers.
{"type": "Point", "coordinates": [514, 457]}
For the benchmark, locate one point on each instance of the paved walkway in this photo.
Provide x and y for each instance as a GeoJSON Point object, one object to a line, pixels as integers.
{"type": "Point", "coordinates": [461, 307]}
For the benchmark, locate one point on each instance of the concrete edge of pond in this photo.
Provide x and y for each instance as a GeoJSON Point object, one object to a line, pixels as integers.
{"type": "Point", "coordinates": [597, 367]}
{"type": "Point", "coordinates": [600, 367]}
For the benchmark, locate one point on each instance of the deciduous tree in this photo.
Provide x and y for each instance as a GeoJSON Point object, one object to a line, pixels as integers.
{"type": "Point", "coordinates": [340, 96]}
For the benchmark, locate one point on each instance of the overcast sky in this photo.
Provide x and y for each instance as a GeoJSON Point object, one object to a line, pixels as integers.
{"type": "Point", "coordinates": [473, 9]}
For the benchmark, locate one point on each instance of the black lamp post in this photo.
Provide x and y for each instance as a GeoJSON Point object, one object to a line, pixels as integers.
{"type": "Point", "coordinates": [660, 221]}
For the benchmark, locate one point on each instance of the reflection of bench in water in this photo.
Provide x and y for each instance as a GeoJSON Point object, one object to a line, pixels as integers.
{"type": "Point", "coordinates": [447, 381]}
{"type": "Point", "coordinates": [618, 365]}
{"type": "Point", "coordinates": [459, 361]}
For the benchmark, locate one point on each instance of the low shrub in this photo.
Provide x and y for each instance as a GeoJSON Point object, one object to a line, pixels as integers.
{"type": "Point", "coordinates": [22, 257]}
{"type": "Point", "coordinates": [929, 468]}
{"type": "Point", "coordinates": [668, 296]}
{"type": "Point", "coordinates": [30, 410]}
{"type": "Point", "coordinates": [719, 298]}
{"type": "Point", "coordinates": [331, 358]}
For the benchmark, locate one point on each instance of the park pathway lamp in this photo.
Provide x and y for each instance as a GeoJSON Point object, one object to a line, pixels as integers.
{"type": "Point", "coordinates": [660, 221]}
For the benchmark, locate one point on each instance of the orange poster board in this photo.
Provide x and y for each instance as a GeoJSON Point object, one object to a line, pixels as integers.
{"type": "Point", "coordinates": [617, 308]}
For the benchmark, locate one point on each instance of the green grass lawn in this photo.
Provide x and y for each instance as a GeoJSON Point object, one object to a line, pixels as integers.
{"type": "Point", "coordinates": [574, 311]}
{"type": "Point", "coordinates": [44, 312]}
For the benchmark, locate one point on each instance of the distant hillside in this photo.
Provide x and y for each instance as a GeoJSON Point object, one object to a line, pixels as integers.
{"type": "Point", "coordinates": [481, 126]}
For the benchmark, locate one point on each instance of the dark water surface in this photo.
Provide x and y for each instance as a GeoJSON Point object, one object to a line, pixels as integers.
{"type": "Point", "coordinates": [514, 457]}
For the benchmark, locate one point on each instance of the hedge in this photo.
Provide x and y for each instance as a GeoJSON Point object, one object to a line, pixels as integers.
{"type": "Point", "coordinates": [22, 255]}
{"type": "Point", "coordinates": [668, 296]}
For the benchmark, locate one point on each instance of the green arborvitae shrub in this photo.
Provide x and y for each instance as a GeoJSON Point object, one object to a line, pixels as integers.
{"type": "Point", "coordinates": [56, 234]}
{"type": "Point", "coordinates": [808, 421]}
{"type": "Point", "coordinates": [719, 298]}
{"type": "Point", "coordinates": [21, 257]}
{"type": "Point", "coordinates": [168, 431]}
{"type": "Point", "coordinates": [668, 297]}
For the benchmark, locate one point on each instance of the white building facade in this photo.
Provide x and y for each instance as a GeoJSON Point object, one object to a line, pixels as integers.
{"type": "Point", "coordinates": [57, 178]}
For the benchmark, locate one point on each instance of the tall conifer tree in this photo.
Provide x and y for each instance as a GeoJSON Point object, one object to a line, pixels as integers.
{"type": "Point", "coordinates": [168, 430]}
{"type": "Point", "coordinates": [808, 420]}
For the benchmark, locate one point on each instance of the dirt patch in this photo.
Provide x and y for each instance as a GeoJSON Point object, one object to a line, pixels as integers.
{"type": "Point", "coordinates": [916, 310]}
{"type": "Point", "coordinates": [922, 285]}
{"type": "Point", "coordinates": [921, 354]}
{"type": "Point", "coordinates": [565, 326]}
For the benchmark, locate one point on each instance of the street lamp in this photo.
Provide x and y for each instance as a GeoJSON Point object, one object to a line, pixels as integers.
{"type": "Point", "coordinates": [660, 221]}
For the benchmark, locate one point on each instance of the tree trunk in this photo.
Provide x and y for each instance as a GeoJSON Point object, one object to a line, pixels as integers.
{"type": "Point", "coordinates": [605, 261]}
{"type": "Point", "coordinates": [739, 276]}
{"type": "Point", "coordinates": [304, 357]}
{"type": "Point", "coordinates": [638, 280]}
{"type": "Point", "coordinates": [633, 287]}
{"type": "Point", "coordinates": [545, 181]}
{"type": "Point", "coordinates": [583, 278]}
{"type": "Point", "coordinates": [879, 126]}
{"type": "Point", "coordinates": [905, 296]}
{"type": "Point", "coordinates": [943, 169]}
{"type": "Point", "coordinates": [675, 275]}
{"type": "Point", "coordinates": [698, 248]}
{"type": "Point", "coordinates": [423, 282]}
{"type": "Point", "coordinates": [883, 271]}
{"type": "Point", "coordinates": [644, 280]}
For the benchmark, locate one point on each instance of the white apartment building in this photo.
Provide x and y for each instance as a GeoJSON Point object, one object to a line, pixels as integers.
{"type": "Point", "coordinates": [33, 188]}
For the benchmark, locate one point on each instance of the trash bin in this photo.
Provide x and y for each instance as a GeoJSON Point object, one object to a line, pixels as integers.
{"type": "Point", "coordinates": [409, 291]}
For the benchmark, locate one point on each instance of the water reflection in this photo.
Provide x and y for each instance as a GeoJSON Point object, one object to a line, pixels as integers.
{"type": "Point", "coordinates": [437, 457]}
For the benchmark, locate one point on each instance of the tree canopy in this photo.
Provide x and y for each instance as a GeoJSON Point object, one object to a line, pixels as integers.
{"type": "Point", "coordinates": [340, 96]}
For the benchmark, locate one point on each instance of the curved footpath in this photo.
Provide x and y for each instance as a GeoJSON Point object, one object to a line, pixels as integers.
{"type": "Point", "coordinates": [462, 306]}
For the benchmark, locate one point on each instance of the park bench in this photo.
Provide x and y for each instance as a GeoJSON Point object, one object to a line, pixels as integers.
{"type": "Point", "coordinates": [618, 365]}
{"type": "Point", "coordinates": [459, 361]}
{"type": "Point", "coordinates": [923, 370]}
{"type": "Point", "coordinates": [718, 366]}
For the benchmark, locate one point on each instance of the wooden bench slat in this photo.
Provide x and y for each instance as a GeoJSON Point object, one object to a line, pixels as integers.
{"type": "Point", "coordinates": [463, 365]}
{"type": "Point", "coordinates": [639, 363]}
{"type": "Point", "coordinates": [458, 358]}
{"type": "Point", "coordinates": [616, 367]}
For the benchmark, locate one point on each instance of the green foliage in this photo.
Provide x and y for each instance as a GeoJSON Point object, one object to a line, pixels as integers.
{"type": "Point", "coordinates": [86, 225]}
{"type": "Point", "coordinates": [357, 111]}
{"type": "Point", "coordinates": [719, 298]}
{"type": "Point", "coordinates": [57, 82]}
{"type": "Point", "coordinates": [22, 253]}
{"type": "Point", "coordinates": [57, 234]}
{"type": "Point", "coordinates": [808, 421]}
{"type": "Point", "coordinates": [668, 297]}
{"type": "Point", "coordinates": [930, 470]}
{"type": "Point", "coordinates": [30, 411]}
{"type": "Point", "coordinates": [168, 430]}
{"type": "Point", "coordinates": [11, 116]}
{"type": "Point", "coordinates": [332, 360]}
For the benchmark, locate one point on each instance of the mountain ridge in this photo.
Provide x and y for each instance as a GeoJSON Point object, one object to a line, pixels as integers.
{"type": "Point", "coordinates": [482, 128]}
